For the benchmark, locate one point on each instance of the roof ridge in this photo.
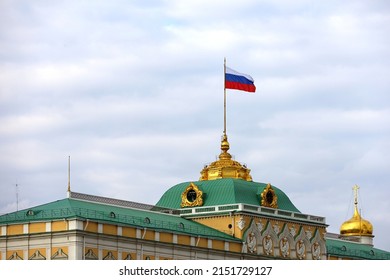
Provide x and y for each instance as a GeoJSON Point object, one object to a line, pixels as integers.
{"type": "Point", "coordinates": [121, 203]}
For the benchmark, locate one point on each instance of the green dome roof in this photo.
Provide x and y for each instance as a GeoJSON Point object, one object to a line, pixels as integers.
{"type": "Point", "coordinates": [225, 191]}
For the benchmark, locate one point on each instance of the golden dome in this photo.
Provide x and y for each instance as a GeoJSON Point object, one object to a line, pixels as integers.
{"type": "Point", "coordinates": [225, 167]}
{"type": "Point", "coordinates": [356, 226]}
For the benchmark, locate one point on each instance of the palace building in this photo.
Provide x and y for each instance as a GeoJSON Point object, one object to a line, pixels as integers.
{"type": "Point", "coordinates": [222, 215]}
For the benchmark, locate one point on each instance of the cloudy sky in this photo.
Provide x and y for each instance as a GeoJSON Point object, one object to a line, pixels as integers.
{"type": "Point", "coordinates": [132, 91]}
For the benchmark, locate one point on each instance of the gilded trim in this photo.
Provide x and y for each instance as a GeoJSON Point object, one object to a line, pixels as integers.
{"type": "Point", "coordinates": [269, 198]}
{"type": "Point", "coordinates": [192, 196]}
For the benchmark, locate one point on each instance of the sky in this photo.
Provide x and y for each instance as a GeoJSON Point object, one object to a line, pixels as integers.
{"type": "Point", "coordinates": [132, 92]}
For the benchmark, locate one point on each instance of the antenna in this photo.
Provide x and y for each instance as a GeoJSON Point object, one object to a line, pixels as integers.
{"type": "Point", "coordinates": [68, 177]}
{"type": "Point", "coordinates": [17, 196]}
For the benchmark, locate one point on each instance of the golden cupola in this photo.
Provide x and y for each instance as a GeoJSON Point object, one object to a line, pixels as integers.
{"type": "Point", "coordinates": [357, 226]}
{"type": "Point", "coordinates": [225, 166]}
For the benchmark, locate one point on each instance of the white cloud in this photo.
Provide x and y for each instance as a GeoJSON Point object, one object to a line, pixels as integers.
{"type": "Point", "coordinates": [133, 92]}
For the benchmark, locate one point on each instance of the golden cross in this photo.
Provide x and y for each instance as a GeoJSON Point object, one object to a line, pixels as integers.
{"type": "Point", "coordinates": [355, 190]}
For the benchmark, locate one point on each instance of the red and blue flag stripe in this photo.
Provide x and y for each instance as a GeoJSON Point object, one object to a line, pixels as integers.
{"type": "Point", "coordinates": [239, 81]}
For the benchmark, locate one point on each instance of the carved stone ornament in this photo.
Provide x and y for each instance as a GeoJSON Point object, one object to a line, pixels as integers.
{"type": "Point", "coordinates": [260, 226]}
{"type": "Point", "coordinates": [316, 251]}
{"type": "Point", "coordinates": [241, 223]}
{"type": "Point", "coordinates": [301, 250]}
{"type": "Point", "coordinates": [251, 243]}
{"type": "Point", "coordinates": [293, 231]}
{"type": "Point", "coordinates": [37, 256]}
{"type": "Point", "coordinates": [284, 247]}
{"type": "Point", "coordinates": [192, 196]}
{"type": "Point", "coordinates": [276, 228]}
{"type": "Point", "coordinates": [267, 245]}
{"type": "Point", "coordinates": [269, 198]}
{"type": "Point", "coordinates": [90, 255]}
{"type": "Point", "coordinates": [15, 256]}
{"type": "Point", "coordinates": [59, 255]}
{"type": "Point", "coordinates": [109, 256]}
{"type": "Point", "coordinates": [308, 234]}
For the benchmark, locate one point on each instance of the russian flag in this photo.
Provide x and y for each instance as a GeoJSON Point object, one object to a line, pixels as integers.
{"type": "Point", "coordinates": [239, 81]}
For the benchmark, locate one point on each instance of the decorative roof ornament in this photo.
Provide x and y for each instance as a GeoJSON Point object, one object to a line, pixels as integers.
{"type": "Point", "coordinates": [269, 198]}
{"type": "Point", "coordinates": [192, 196]}
{"type": "Point", "coordinates": [356, 226]}
{"type": "Point", "coordinates": [225, 166]}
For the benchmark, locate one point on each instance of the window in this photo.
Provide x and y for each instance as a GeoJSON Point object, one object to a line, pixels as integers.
{"type": "Point", "coordinates": [30, 213]}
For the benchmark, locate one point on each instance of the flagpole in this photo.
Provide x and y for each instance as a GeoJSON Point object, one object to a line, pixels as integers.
{"type": "Point", "coordinates": [224, 96]}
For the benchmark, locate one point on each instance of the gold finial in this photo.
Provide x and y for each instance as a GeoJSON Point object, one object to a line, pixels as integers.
{"type": "Point", "coordinates": [225, 167]}
{"type": "Point", "coordinates": [225, 146]}
{"type": "Point", "coordinates": [224, 143]}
